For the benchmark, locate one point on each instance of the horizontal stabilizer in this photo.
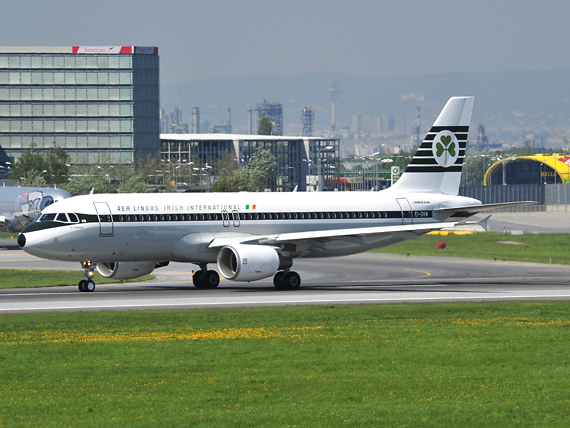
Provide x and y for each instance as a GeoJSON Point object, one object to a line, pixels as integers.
{"type": "Point", "coordinates": [468, 211]}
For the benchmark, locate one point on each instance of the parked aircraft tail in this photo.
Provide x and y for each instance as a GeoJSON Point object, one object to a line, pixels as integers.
{"type": "Point", "coordinates": [436, 166]}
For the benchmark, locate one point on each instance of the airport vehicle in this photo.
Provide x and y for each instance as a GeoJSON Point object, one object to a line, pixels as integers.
{"type": "Point", "coordinates": [19, 206]}
{"type": "Point", "coordinates": [257, 235]}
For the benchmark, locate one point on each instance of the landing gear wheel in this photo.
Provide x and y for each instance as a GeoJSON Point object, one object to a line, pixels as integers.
{"type": "Point", "coordinates": [89, 285]}
{"type": "Point", "coordinates": [287, 281]}
{"type": "Point", "coordinates": [211, 279]}
{"type": "Point", "coordinates": [278, 280]}
{"type": "Point", "coordinates": [206, 280]}
{"type": "Point", "coordinates": [81, 285]}
{"type": "Point", "coordinates": [197, 278]}
{"type": "Point", "coordinates": [291, 280]}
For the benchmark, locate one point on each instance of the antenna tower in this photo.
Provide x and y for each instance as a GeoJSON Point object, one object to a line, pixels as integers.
{"type": "Point", "coordinates": [334, 91]}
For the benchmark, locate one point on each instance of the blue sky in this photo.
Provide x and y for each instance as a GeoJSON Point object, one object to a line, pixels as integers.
{"type": "Point", "coordinates": [204, 39]}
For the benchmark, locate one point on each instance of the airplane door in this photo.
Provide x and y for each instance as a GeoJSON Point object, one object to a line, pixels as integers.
{"type": "Point", "coordinates": [105, 218]}
{"type": "Point", "coordinates": [235, 216]}
{"type": "Point", "coordinates": [406, 210]}
{"type": "Point", "coordinates": [225, 218]}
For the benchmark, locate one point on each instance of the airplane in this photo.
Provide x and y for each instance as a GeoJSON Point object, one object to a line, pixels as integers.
{"type": "Point", "coordinates": [251, 236]}
{"type": "Point", "coordinates": [19, 206]}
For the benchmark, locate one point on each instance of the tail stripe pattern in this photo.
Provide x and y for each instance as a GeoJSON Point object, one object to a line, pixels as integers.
{"type": "Point", "coordinates": [424, 160]}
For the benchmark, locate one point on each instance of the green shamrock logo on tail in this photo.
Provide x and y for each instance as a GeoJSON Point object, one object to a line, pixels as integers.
{"type": "Point", "coordinates": [446, 149]}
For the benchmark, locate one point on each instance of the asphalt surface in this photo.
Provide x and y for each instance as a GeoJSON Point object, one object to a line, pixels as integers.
{"type": "Point", "coordinates": [363, 278]}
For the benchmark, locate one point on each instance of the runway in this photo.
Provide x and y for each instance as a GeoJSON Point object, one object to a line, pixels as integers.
{"type": "Point", "coordinates": [361, 279]}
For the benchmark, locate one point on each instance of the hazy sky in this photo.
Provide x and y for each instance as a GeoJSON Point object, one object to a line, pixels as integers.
{"type": "Point", "coordinates": [203, 39]}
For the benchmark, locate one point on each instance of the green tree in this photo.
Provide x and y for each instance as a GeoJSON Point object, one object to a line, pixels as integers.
{"type": "Point", "coordinates": [30, 163]}
{"type": "Point", "coordinates": [149, 168]}
{"type": "Point", "coordinates": [95, 179]}
{"type": "Point", "coordinates": [265, 126]}
{"type": "Point", "coordinates": [254, 176]}
{"type": "Point", "coordinates": [53, 163]}
{"type": "Point", "coordinates": [226, 167]}
{"type": "Point", "coordinates": [56, 164]}
{"type": "Point", "coordinates": [34, 179]}
{"type": "Point", "coordinates": [135, 184]}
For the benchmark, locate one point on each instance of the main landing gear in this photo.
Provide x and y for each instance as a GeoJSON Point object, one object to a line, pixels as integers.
{"type": "Point", "coordinates": [287, 280]}
{"type": "Point", "coordinates": [87, 284]}
{"type": "Point", "coordinates": [205, 279]}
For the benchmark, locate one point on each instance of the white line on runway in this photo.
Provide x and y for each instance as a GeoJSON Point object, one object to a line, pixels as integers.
{"type": "Point", "coordinates": [292, 302]}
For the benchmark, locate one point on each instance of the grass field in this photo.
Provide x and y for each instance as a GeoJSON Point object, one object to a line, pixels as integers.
{"type": "Point", "coordinates": [377, 365]}
{"type": "Point", "coordinates": [537, 248]}
{"type": "Point", "coordinates": [15, 278]}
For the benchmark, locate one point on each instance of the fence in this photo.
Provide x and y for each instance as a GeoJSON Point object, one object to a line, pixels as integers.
{"type": "Point", "coordinates": [550, 197]}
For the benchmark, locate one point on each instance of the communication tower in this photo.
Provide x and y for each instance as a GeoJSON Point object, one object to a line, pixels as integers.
{"type": "Point", "coordinates": [308, 119]}
{"type": "Point", "coordinates": [334, 91]}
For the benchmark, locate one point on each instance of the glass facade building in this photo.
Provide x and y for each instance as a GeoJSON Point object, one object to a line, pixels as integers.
{"type": "Point", "coordinates": [100, 104]}
{"type": "Point", "coordinates": [308, 163]}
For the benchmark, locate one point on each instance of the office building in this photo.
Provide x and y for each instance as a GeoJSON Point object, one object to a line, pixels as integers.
{"type": "Point", "coordinates": [100, 104]}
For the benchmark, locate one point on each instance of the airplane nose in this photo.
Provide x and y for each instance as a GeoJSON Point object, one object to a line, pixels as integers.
{"type": "Point", "coordinates": [21, 240]}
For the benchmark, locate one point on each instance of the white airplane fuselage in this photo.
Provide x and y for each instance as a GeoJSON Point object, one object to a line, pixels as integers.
{"type": "Point", "coordinates": [179, 227]}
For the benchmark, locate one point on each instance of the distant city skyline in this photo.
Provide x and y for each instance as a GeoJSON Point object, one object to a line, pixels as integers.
{"type": "Point", "coordinates": [200, 40]}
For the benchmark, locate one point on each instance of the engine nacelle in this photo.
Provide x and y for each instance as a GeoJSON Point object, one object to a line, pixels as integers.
{"type": "Point", "coordinates": [249, 262]}
{"type": "Point", "coordinates": [125, 270]}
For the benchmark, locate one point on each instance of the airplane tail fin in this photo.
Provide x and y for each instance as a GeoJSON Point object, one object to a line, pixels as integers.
{"type": "Point", "coordinates": [437, 164]}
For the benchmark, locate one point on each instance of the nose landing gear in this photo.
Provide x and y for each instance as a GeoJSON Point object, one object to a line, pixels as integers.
{"type": "Point", "coordinates": [87, 284]}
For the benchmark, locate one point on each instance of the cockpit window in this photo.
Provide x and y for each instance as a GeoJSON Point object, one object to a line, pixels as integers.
{"type": "Point", "coordinates": [73, 218]}
{"type": "Point", "coordinates": [48, 217]}
{"type": "Point", "coordinates": [62, 217]}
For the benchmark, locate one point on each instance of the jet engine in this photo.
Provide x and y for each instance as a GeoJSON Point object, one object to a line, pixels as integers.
{"type": "Point", "coordinates": [250, 262]}
{"type": "Point", "coordinates": [127, 270]}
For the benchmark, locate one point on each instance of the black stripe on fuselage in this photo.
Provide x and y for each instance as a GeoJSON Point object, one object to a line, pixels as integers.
{"type": "Point", "coordinates": [248, 216]}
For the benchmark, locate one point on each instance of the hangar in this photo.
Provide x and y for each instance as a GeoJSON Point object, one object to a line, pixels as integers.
{"type": "Point", "coordinates": [536, 169]}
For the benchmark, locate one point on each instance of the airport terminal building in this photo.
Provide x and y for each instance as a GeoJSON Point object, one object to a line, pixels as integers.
{"type": "Point", "coordinates": [308, 163]}
{"type": "Point", "coordinates": [99, 103]}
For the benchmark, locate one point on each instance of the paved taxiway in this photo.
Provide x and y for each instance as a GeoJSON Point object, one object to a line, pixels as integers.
{"type": "Point", "coordinates": [363, 278]}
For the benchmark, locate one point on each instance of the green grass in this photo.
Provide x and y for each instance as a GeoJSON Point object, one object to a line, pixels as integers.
{"type": "Point", "coordinates": [537, 248]}
{"type": "Point", "coordinates": [379, 365]}
{"type": "Point", "coordinates": [8, 235]}
{"type": "Point", "coordinates": [15, 278]}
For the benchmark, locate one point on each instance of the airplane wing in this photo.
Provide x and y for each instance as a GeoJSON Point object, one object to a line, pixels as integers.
{"type": "Point", "coordinates": [356, 235]}
{"type": "Point", "coordinates": [470, 210]}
